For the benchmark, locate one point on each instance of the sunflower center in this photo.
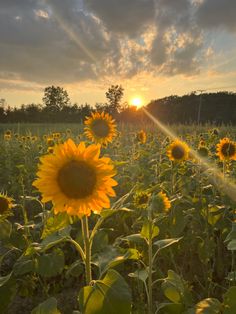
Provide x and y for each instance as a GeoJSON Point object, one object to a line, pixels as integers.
{"type": "Point", "coordinates": [77, 179]}
{"type": "Point", "coordinates": [178, 152]}
{"type": "Point", "coordinates": [228, 149]}
{"type": "Point", "coordinates": [4, 205]}
{"type": "Point", "coordinates": [100, 128]}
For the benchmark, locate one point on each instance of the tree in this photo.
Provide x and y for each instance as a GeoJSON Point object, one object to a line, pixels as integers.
{"type": "Point", "coordinates": [55, 98]}
{"type": "Point", "coordinates": [114, 96]}
{"type": "Point", "coordinates": [2, 102]}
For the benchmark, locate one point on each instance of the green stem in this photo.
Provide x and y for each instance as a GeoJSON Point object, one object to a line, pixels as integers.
{"type": "Point", "coordinates": [87, 249]}
{"type": "Point", "coordinates": [150, 262]}
{"type": "Point", "coordinates": [78, 248]}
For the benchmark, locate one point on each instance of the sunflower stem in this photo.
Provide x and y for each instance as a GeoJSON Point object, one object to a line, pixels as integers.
{"type": "Point", "coordinates": [150, 260]}
{"type": "Point", "coordinates": [87, 249]}
{"type": "Point", "coordinates": [78, 248]}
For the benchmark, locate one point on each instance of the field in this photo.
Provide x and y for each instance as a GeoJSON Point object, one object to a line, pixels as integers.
{"type": "Point", "coordinates": [166, 245]}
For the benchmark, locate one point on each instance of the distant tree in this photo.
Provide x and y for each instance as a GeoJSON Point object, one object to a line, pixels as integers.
{"type": "Point", "coordinates": [2, 102]}
{"type": "Point", "coordinates": [2, 109]}
{"type": "Point", "coordinates": [55, 98]}
{"type": "Point", "coordinates": [114, 96]}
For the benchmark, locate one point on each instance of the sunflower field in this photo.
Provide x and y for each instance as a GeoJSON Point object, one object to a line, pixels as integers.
{"type": "Point", "coordinates": [103, 218]}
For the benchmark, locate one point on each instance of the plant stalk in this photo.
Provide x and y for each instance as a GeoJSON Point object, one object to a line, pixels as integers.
{"type": "Point", "coordinates": [87, 249]}
{"type": "Point", "coordinates": [150, 261]}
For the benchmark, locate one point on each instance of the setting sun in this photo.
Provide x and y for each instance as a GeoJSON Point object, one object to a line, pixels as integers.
{"type": "Point", "coordinates": [137, 102]}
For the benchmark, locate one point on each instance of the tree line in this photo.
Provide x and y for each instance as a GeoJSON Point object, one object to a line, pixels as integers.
{"type": "Point", "coordinates": [56, 106]}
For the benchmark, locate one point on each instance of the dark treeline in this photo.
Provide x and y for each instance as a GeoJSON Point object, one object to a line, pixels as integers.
{"type": "Point", "coordinates": [215, 108]}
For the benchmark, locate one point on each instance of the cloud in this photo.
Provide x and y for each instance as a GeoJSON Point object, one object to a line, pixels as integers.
{"type": "Point", "coordinates": [178, 43]}
{"type": "Point", "coordinates": [64, 42]}
{"type": "Point", "coordinates": [124, 17]}
{"type": "Point", "coordinates": [217, 13]}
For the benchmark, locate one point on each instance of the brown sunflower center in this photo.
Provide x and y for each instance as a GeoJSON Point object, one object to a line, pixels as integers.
{"type": "Point", "coordinates": [178, 152]}
{"type": "Point", "coordinates": [77, 179]}
{"type": "Point", "coordinates": [228, 149]}
{"type": "Point", "coordinates": [4, 205]}
{"type": "Point", "coordinates": [100, 128]}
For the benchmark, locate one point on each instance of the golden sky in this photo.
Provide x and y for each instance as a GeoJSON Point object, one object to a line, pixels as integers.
{"type": "Point", "coordinates": [153, 48]}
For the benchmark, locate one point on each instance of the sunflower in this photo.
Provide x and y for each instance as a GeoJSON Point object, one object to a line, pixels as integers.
{"type": "Point", "coordinates": [226, 149]}
{"type": "Point", "coordinates": [5, 204]}
{"type": "Point", "coordinates": [50, 141]}
{"type": "Point", "coordinates": [141, 137]}
{"type": "Point", "coordinates": [161, 202]}
{"type": "Point", "coordinates": [7, 137]}
{"type": "Point", "coordinates": [50, 149]}
{"type": "Point", "coordinates": [178, 151]}
{"type": "Point", "coordinates": [141, 199]}
{"type": "Point", "coordinates": [100, 128]}
{"type": "Point", "coordinates": [8, 132]}
{"type": "Point", "coordinates": [75, 179]}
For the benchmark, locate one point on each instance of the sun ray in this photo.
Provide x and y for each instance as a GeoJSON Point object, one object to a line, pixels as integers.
{"type": "Point", "coordinates": [216, 177]}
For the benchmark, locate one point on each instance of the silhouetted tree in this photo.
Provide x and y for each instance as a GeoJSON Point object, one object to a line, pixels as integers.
{"type": "Point", "coordinates": [114, 96]}
{"type": "Point", "coordinates": [55, 98]}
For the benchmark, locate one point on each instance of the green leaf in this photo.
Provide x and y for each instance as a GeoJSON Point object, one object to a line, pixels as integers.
{"type": "Point", "coordinates": [111, 257]}
{"type": "Point", "coordinates": [170, 308]}
{"type": "Point", "coordinates": [172, 293]}
{"type": "Point", "coordinates": [162, 244]}
{"type": "Point", "coordinates": [145, 230]}
{"type": "Point", "coordinates": [100, 241]}
{"type": "Point", "coordinates": [5, 229]}
{"type": "Point", "coordinates": [109, 212]}
{"type": "Point", "coordinates": [208, 306]}
{"type": "Point", "coordinates": [50, 265]}
{"type": "Point", "coordinates": [110, 295]}
{"type": "Point", "coordinates": [213, 215]}
{"type": "Point", "coordinates": [230, 301]}
{"type": "Point", "coordinates": [129, 254]}
{"type": "Point", "coordinates": [76, 269]}
{"type": "Point", "coordinates": [54, 239]}
{"type": "Point", "coordinates": [232, 245]}
{"type": "Point", "coordinates": [4, 279]}
{"type": "Point", "coordinates": [141, 274]}
{"type": "Point", "coordinates": [47, 307]}
{"type": "Point", "coordinates": [7, 293]}
{"type": "Point", "coordinates": [55, 223]}
{"type": "Point", "coordinates": [232, 234]}
{"type": "Point", "coordinates": [23, 266]}
{"type": "Point", "coordinates": [176, 289]}
{"type": "Point", "coordinates": [178, 223]}
{"type": "Point", "coordinates": [135, 238]}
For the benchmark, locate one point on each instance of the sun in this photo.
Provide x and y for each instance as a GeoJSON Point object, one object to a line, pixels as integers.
{"type": "Point", "coordinates": [137, 102]}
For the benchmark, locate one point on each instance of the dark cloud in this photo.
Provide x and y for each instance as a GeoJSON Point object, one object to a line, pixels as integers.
{"type": "Point", "coordinates": [58, 41]}
{"type": "Point", "coordinates": [125, 17]}
{"type": "Point", "coordinates": [217, 13]}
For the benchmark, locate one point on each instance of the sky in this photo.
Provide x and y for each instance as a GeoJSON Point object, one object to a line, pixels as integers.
{"type": "Point", "coordinates": [153, 48]}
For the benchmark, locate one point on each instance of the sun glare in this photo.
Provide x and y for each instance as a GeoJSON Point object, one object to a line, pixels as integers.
{"type": "Point", "coordinates": [137, 102]}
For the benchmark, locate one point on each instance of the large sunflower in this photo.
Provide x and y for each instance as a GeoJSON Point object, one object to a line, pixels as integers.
{"type": "Point", "coordinates": [178, 151]}
{"type": "Point", "coordinates": [100, 128]}
{"type": "Point", "coordinates": [75, 179]}
{"type": "Point", "coordinates": [226, 149]}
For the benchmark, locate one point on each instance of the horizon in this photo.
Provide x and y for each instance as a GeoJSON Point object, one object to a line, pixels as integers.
{"type": "Point", "coordinates": [127, 101]}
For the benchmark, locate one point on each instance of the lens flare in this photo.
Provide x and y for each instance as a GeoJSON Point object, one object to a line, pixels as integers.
{"type": "Point", "coordinates": [216, 177]}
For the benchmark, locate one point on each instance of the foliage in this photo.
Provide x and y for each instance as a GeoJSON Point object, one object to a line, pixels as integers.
{"type": "Point", "coordinates": [188, 251]}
